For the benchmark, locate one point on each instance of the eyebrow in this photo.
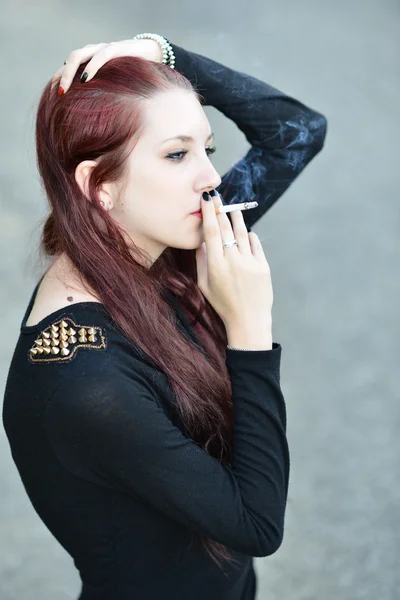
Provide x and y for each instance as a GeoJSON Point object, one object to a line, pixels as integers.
{"type": "Point", "coordinates": [186, 138]}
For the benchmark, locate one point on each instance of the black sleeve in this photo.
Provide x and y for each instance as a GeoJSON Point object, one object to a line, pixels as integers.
{"type": "Point", "coordinates": [284, 133]}
{"type": "Point", "coordinates": [111, 429]}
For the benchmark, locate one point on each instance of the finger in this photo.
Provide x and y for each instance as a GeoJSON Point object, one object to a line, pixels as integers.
{"type": "Point", "coordinates": [225, 226]}
{"type": "Point", "coordinates": [240, 231]}
{"type": "Point", "coordinates": [112, 50]}
{"type": "Point", "coordinates": [75, 59]}
{"type": "Point", "coordinates": [60, 71]}
{"type": "Point", "coordinates": [211, 230]}
{"type": "Point", "coordinates": [201, 266]}
{"type": "Point", "coordinates": [56, 77]}
{"type": "Point", "coordinates": [256, 247]}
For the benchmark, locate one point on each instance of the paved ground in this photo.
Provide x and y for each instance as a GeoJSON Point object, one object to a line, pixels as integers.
{"type": "Point", "coordinates": [333, 245]}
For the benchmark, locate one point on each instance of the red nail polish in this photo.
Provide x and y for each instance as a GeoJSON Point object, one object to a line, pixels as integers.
{"type": "Point", "coordinates": [60, 91]}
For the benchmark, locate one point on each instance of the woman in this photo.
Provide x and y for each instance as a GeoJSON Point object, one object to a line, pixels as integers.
{"type": "Point", "coordinates": [153, 452]}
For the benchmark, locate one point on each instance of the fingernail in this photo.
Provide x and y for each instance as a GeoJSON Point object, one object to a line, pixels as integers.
{"type": "Point", "coordinates": [214, 192]}
{"type": "Point", "coordinates": [206, 196]}
{"type": "Point", "coordinates": [60, 91]}
{"type": "Point", "coordinates": [84, 77]}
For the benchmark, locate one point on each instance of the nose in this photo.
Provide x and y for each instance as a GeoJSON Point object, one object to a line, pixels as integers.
{"type": "Point", "coordinates": [211, 179]}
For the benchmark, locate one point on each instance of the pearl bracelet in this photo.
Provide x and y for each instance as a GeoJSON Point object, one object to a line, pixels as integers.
{"type": "Point", "coordinates": [166, 48]}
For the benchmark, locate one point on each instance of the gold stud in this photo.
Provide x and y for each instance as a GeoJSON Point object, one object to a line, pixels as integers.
{"type": "Point", "coordinates": [61, 337]}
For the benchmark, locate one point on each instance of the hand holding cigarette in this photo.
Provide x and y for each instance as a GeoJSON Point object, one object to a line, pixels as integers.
{"type": "Point", "coordinates": [235, 279]}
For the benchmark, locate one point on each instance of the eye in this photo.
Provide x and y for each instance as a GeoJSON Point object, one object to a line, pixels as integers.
{"type": "Point", "coordinates": [178, 156]}
{"type": "Point", "coordinates": [211, 150]}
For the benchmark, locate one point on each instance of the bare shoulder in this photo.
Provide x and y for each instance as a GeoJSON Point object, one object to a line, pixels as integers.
{"type": "Point", "coordinates": [57, 290]}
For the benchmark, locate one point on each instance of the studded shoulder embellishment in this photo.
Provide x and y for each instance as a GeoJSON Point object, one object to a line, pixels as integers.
{"type": "Point", "coordinates": [61, 340]}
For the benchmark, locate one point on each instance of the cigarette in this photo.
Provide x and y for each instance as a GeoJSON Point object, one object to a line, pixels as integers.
{"type": "Point", "coordinates": [232, 207]}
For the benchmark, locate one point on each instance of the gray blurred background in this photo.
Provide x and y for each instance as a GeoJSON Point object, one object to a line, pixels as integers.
{"type": "Point", "coordinates": [332, 242]}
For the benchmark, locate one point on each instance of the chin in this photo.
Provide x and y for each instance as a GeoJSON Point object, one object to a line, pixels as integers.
{"type": "Point", "coordinates": [191, 243]}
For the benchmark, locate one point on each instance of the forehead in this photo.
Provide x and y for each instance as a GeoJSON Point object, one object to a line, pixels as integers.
{"type": "Point", "coordinates": [172, 113]}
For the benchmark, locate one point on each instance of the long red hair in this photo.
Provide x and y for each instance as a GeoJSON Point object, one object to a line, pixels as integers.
{"type": "Point", "coordinates": [98, 121]}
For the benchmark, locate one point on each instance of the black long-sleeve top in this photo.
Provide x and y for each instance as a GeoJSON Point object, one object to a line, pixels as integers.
{"type": "Point", "coordinates": [95, 434]}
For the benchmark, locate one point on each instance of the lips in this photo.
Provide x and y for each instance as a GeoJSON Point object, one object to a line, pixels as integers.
{"type": "Point", "coordinates": [196, 212]}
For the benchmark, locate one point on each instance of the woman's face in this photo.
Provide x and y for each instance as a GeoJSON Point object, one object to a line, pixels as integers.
{"type": "Point", "coordinates": [166, 175]}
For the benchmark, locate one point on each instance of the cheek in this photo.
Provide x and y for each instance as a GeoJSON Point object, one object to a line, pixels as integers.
{"type": "Point", "coordinates": [155, 196]}
{"type": "Point", "coordinates": [149, 211]}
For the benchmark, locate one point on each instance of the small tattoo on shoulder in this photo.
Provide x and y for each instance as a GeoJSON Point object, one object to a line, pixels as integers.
{"type": "Point", "coordinates": [70, 299]}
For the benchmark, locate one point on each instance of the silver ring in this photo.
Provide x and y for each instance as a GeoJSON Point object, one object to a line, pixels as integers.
{"type": "Point", "coordinates": [228, 243]}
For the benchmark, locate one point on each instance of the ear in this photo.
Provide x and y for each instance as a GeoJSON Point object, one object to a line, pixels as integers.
{"type": "Point", "coordinates": [82, 175]}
